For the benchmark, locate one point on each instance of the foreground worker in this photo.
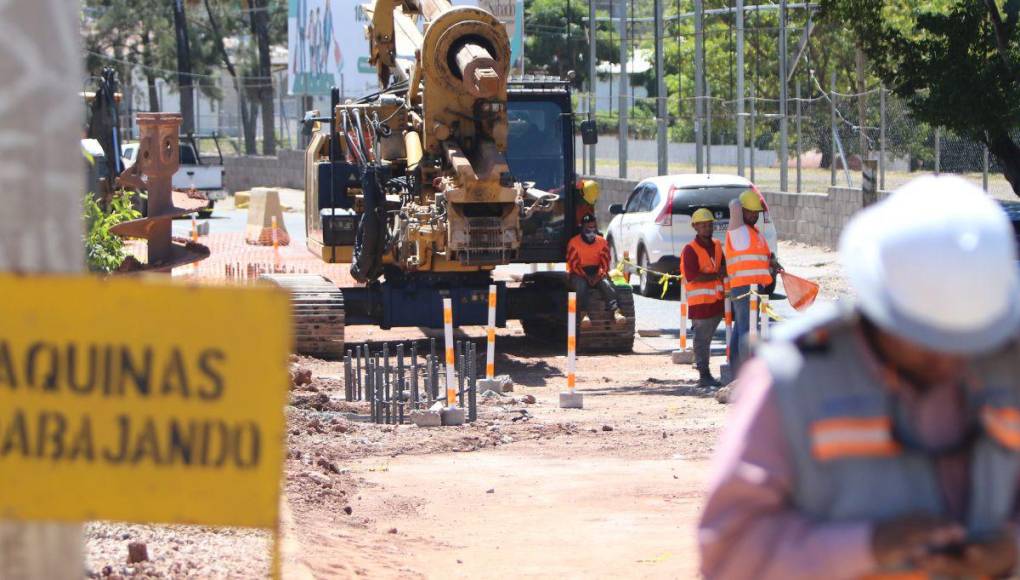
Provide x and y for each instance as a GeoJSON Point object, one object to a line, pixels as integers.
{"type": "Point", "coordinates": [881, 439]}
{"type": "Point", "coordinates": [749, 261]}
{"type": "Point", "coordinates": [588, 265]}
{"type": "Point", "coordinates": [703, 269]}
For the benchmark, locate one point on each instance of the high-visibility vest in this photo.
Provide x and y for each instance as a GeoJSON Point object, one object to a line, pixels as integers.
{"type": "Point", "coordinates": [850, 462]}
{"type": "Point", "coordinates": [711, 291]}
{"type": "Point", "coordinates": [750, 265]}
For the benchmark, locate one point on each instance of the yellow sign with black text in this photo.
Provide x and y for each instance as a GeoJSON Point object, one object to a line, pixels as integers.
{"type": "Point", "coordinates": [141, 401]}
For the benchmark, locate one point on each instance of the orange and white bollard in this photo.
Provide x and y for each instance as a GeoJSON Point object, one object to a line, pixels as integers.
{"type": "Point", "coordinates": [571, 399]}
{"type": "Point", "coordinates": [452, 414]}
{"type": "Point", "coordinates": [728, 317]}
{"type": "Point", "coordinates": [765, 317]}
{"type": "Point", "coordinates": [683, 317]}
{"type": "Point", "coordinates": [752, 333]}
{"type": "Point", "coordinates": [194, 228]}
{"type": "Point", "coordinates": [276, 236]}
{"type": "Point", "coordinates": [490, 346]}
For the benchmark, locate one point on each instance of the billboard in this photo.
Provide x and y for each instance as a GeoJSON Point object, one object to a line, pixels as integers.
{"type": "Point", "coordinates": [327, 45]}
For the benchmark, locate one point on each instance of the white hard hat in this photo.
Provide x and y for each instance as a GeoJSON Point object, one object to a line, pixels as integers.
{"type": "Point", "coordinates": [935, 263]}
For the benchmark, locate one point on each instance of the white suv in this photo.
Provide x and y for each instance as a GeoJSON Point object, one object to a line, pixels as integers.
{"type": "Point", "coordinates": [654, 225]}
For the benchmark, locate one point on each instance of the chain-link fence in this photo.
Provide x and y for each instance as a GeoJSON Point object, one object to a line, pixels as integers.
{"type": "Point", "coordinates": [828, 132]}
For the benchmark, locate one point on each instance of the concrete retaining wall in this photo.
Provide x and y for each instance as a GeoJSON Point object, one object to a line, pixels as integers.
{"type": "Point", "coordinates": [811, 218]}
{"type": "Point", "coordinates": [647, 150]}
{"type": "Point", "coordinates": [246, 172]}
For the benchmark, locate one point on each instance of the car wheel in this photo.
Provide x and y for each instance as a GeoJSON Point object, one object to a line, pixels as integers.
{"type": "Point", "coordinates": [647, 282]}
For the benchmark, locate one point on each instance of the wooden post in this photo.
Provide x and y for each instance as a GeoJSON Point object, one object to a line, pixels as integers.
{"type": "Point", "coordinates": [41, 221]}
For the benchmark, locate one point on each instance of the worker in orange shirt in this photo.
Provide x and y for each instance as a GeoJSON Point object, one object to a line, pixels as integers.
{"type": "Point", "coordinates": [749, 262]}
{"type": "Point", "coordinates": [588, 268]}
{"type": "Point", "coordinates": [703, 269]}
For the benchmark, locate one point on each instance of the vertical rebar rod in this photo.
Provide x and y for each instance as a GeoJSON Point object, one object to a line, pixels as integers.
{"type": "Point", "coordinates": [414, 375]}
{"type": "Point", "coordinates": [401, 383]}
{"type": "Point", "coordinates": [460, 380]}
{"type": "Point", "coordinates": [429, 382]}
{"type": "Point", "coordinates": [358, 381]}
{"type": "Point", "coordinates": [348, 379]}
{"type": "Point", "coordinates": [370, 387]}
{"type": "Point", "coordinates": [472, 384]}
{"type": "Point", "coordinates": [379, 395]}
{"type": "Point", "coordinates": [754, 112]}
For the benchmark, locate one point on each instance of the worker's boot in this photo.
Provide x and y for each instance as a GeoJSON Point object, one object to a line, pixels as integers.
{"type": "Point", "coordinates": [618, 317]}
{"type": "Point", "coordinates": [585, 321]}
{"type": "Point", "coordinates": [707, 380]}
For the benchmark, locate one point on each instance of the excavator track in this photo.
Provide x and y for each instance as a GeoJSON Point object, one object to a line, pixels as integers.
{"type": "Point", "coordinates": [318, 314]}
{"type": "Point", "coordinates": [603, 335]}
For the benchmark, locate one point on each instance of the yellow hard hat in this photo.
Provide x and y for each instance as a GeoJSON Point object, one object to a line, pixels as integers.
{"type": "Point", "coordinates": [702, 215]}
{"type": "Point", "coordinates": [751, 201]}
{"type": "Point", "coordinates": [590, 191]}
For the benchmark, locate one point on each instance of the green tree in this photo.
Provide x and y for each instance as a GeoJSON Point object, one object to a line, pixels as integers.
{"type": "Point", "coordinates": [955, 63]}
{"type": "Point", "coordinates": [556, 38]}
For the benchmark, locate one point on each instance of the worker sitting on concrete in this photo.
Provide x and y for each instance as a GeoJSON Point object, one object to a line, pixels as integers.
{"type": "Point", "coordinates": [749, 261]}
{"type": "Point", "coordinates": [588, 265]}
{"type": "Point", "coordinates": [880, 439]}
{"type": "Point", "coordinates": [702, 266]}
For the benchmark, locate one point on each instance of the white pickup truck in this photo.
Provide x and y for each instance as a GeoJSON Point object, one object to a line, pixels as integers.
{"type": "Point", "coordinates": [194, 173]}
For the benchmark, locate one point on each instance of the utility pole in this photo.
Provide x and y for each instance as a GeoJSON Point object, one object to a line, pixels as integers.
{"type": "Point", "coordinates": [624, 91]}
{"type": "Point", "coordinates": [699, 84]}
{"type": "Point", "coordinates": [592, 78]}
{"type": "Point", "coordinates": [740, 87]}
{"type": "Point", "coordinates": [41, 224]}
{"type": "Point", "coordinates": [184, 80]}
{"type": "Point", "coordinates": [660, 93]}
{"type": "Point", "coordinates": [784, 140]}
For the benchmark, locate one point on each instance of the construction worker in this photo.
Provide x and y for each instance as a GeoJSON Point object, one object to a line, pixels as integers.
{"type": "Point", "coordinates": [588, 265]}
{"type": "Point", "coordinates": [703, 269]}
{"type": "Point", "coordinates": [880, 439]}
{"type": "Point", "coordinates": [589, 195]}
{"type": "Point", "coordinates": [749, 262]}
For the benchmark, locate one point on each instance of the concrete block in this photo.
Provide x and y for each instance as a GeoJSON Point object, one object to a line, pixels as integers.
{"type": "Point", "coordinates": [571, 400]}
{"type": "Point", "coordinates": [682, 357]}
{"type": "Point", "coordinates": [499, 384]}
{"type": "Point", "coordinates": [725, 375]}
{"type": "Point", "coordinates": [452, 416]}
{"type": "Point", "coordinates": [264, 206]}
{"type": "Point", "coordinates": [426, 418]}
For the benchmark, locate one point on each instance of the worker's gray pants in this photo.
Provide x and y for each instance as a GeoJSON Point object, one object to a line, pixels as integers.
{"type": "Point", "coordinates": [704, 330]}
{"type": "Point", "coordinates": [604, 287]}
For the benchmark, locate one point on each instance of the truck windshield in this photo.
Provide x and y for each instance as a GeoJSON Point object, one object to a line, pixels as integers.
{"type": "Point", "coordinates": [535, 148]}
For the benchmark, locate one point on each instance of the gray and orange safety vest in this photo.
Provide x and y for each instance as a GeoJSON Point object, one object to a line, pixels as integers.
{"type": "Point", "coordinates": [711, 291]}
{"type": "Point", "coordinates": [850, 462]}
{"type": "Point", "coordinates": [750, 265]}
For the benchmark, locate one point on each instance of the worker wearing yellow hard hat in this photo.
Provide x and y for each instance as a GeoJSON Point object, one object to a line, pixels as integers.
{"type": "Point", "coordinates": [588, 190]}
{"type": "Point", "coordinates": [703, 269]}
{"type": "Point", "coordinates": [749, 264]}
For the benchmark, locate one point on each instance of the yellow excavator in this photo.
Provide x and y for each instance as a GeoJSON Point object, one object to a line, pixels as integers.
{"type": "Point", "coordinates": [452, 169]}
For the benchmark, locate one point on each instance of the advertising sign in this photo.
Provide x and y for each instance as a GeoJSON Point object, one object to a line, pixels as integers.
{"type": "Point", "coordinates": [327, 45]}
{"type": "Point", "coordinates": [140, 401]}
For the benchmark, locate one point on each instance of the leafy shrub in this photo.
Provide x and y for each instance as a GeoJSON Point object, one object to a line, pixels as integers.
{"type": "Point", "coordinates": [104, 251]}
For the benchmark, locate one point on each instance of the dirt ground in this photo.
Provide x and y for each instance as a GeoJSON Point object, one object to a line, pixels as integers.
{"type": "Point", "coordinates": [529, 490]}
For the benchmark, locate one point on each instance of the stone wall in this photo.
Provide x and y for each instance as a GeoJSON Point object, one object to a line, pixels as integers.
{"type": "Point", "coordinates": [811, 218]}
{"type": "Point", "coordinates": [245, 172]}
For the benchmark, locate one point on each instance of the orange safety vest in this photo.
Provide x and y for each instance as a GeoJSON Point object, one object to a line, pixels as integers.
{"type": "Point", "coordinates": [711, 291]}
{"type": "Point", "coordinates": [581, 254]}
{"type": "Point", "coordinates": [751, 265]}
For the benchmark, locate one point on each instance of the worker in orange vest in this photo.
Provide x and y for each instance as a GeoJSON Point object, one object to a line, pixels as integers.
{"type": "Point", "coordinates": [703, 268]}
{"type": "Point", "coordinates": [749, 262]}
{"type": "Point", "coordinates": [588, 267]}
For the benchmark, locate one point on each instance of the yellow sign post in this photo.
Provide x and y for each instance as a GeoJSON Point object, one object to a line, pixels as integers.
{"type": "Point", "coordinates": [116, 405]}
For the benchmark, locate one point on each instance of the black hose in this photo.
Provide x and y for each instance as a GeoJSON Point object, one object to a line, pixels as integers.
{"type": "Point", "coordinates": [370, 239]}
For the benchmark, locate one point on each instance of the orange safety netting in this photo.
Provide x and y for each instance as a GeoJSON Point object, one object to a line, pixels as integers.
{"type": "Point", "coordinates": [800, 292]}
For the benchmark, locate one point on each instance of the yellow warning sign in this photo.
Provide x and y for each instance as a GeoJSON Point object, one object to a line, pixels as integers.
{"type": "Point", "coordinates": [141, 401]}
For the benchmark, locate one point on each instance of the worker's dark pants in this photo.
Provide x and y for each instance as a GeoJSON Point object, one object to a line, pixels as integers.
{"type": "Point", "coordinates": [704, 330]}
{"type": "Point", "coordinates": [604, 287]}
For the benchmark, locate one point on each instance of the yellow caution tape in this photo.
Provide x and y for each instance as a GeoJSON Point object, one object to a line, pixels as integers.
{"type": "Point", "coordinates": [664, 278]}
{"type": "Point", "coordinates": [763, 307]}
